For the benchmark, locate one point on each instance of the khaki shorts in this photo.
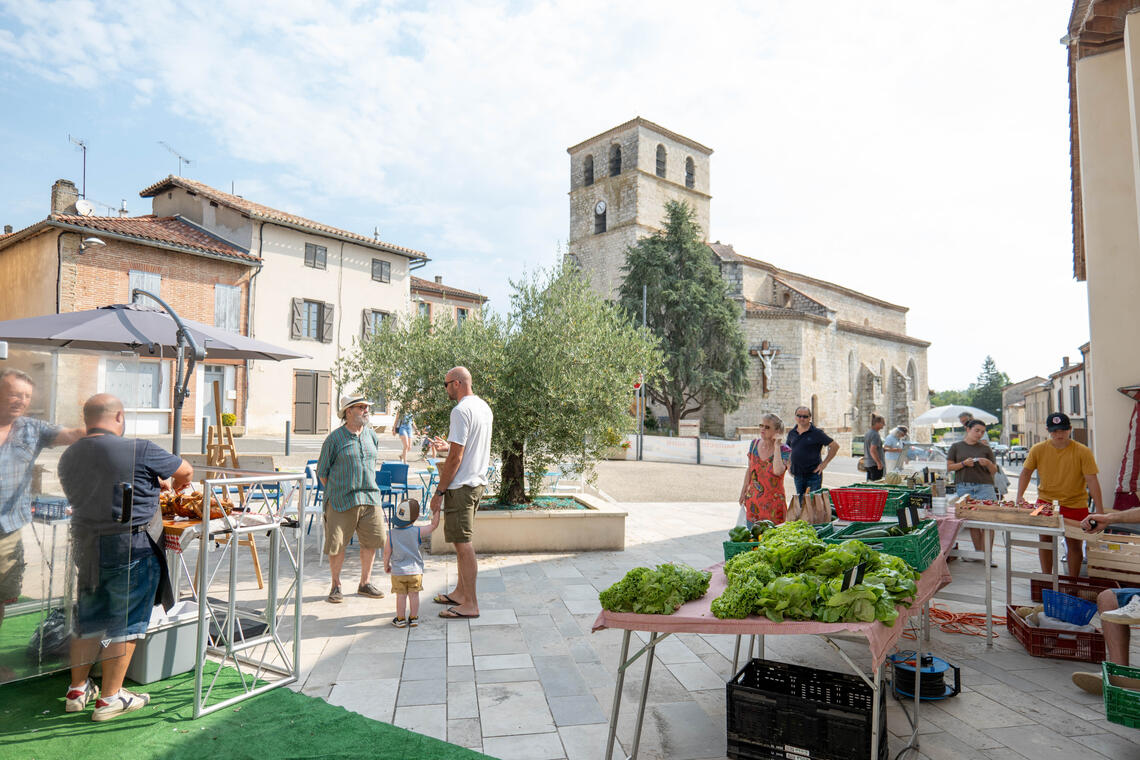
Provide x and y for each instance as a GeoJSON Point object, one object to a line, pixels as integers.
{"type": "Point", "coordinates": [407, 584]}
{"type": "Point", "coordinates": [459, 506]}
{"type": "Point", "coordinates": [11, 566]}
{"type": "Point", "coordinates": [365, 520]}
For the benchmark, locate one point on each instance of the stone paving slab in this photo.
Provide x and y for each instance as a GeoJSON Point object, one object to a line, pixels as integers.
{"type": "Point", "coordinates": [528, 679]}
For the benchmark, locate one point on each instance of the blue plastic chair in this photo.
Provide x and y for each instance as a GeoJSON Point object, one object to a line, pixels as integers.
{"type": "Point", "coordinates": [384, 483]}
{"type": "Point", "coordinates": [399, 479]}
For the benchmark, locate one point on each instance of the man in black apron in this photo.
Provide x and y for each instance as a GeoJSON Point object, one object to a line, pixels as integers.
{"type": "Point", "coordinates": [122, 568]}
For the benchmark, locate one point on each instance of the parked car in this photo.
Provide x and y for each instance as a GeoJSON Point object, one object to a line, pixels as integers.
{"type": "Point", "coordinates": [857, 446]}
{"type": "Point", "coordinates": [999, 448]}
{"type": "Point", "coordinates": [1017, 453]}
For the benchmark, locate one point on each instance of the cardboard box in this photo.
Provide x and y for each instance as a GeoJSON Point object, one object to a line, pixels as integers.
{"type": "Point", "coordinates": [170, 646]}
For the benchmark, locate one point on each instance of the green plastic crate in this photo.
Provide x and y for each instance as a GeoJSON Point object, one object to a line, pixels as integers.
{"type": "Point", "coordinates": [732, 548]}
{"type": "Point", "coordinates": [1121, 705]}
{"type": "Point", "coordinates": [919, 548]}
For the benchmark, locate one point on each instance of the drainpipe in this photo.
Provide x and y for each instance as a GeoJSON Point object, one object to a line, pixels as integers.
{"type": "Point", "coordinates": [249, 320]}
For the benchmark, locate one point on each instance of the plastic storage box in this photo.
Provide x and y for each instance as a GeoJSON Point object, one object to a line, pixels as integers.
{"type": "Point", "coordinates": [169, 647]}
{"type": "Point", "coordinates": [782, 711]}
{"type": "Point", "coordinates": [1050, 642]}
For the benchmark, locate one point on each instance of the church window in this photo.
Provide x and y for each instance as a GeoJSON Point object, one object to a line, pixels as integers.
{"type": "Point", "coordinates": [615, 160]}
{"type": "Point", "coordinates": [588, 170]}
{"type": "Point", "coordinates": [599, 222]}
{"type": "Point", "coordinates": [815, 408]}
{"type": "Point", "coordinates": [660, 160]}
{"type": "Point", "coordinates": [813, 375]}
{"type": "Point", "coordinates": [690, 173]}
{"type": "Point", "coordinates": [912, 374]}
{"type": "Point", "coordinates": [851, 371]}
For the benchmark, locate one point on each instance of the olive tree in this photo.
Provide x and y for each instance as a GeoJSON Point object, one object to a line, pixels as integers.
{"type": "Point", "coordinates": [557, 371]}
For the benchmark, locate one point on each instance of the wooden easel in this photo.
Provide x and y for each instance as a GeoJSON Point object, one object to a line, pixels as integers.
{"type": "Point", "coordinates": [217, 448]}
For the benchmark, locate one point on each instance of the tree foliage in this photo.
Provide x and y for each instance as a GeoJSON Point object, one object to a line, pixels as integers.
{"type": "Point", "coordinates": [689, 310]}
{"type": "Point", "coordinates": [558, 373]}
{"type": "Point", "coordinates": [984, 393]}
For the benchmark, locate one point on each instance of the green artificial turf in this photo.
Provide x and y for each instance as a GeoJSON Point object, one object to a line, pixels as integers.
{"type": "Point", "coordinates": [278, 725]}
{"type": "Point", "coordinates": [15, 633]}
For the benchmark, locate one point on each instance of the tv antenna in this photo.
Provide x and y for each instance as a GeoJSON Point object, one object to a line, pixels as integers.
{"type": "Point", "coordinates": [181, 158]}
{"type": "Point", "coordinates": [82, 145]}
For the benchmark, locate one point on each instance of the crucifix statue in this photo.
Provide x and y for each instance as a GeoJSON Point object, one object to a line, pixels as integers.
{"type": "Point", "coordinates": [766, 354]}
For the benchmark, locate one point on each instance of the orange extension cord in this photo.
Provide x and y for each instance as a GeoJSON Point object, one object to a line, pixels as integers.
{"type": "Point", "coordinates": [968, 623]}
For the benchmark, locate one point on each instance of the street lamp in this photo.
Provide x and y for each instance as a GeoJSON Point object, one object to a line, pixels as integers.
{"type": "Point", "coordinates": [84, 244]}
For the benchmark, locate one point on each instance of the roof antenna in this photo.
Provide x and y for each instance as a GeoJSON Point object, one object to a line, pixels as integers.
{"type": "Point", "coordinates": [376, 233]}
{"type": "Point", "coordinates": [181, 158]}
{"type": "Point", "coordinates": [82, 145]}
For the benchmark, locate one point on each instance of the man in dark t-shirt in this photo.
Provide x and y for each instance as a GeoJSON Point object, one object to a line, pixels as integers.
{"type": "Point", "coordinates": [121, 567]}
{"type": "Point", "coordinates": [806, 440]}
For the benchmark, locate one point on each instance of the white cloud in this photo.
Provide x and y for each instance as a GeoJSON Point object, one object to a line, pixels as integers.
{"type": "Point", "coordinates": [876, 145]}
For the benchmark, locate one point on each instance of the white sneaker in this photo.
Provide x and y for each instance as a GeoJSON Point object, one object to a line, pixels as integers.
{"type": "Point", "coordinates": [77, 699]}
{"type": "Point", "coordinates": [1129, 614]}
{"type": "Point", "coordinates": [123, 702]}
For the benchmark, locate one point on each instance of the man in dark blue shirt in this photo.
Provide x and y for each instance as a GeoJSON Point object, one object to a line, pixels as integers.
{"type": "Point", "coordinates": [806, 441]}
{"type": "Point", "coordinates": [122, 570]}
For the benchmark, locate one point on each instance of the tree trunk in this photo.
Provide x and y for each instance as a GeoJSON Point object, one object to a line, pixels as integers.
{"type": "Point", "coordinates": [513, 488]}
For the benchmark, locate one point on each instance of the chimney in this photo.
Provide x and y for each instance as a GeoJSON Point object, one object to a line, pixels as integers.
{"type": "Point", "coordinates": [123, 209]}
{"type": "Point", "coordinates": [439, 279]}
{"type": "Point", "coordinates": [1064, 362]}
{"type": "Point", "coordinates": [7, 229]}
{"type": "Point", "coordinates": [63, 197]}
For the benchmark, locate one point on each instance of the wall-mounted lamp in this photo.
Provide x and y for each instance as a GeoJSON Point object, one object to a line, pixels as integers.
{"type": "Point", "coordinates": [91, 242]}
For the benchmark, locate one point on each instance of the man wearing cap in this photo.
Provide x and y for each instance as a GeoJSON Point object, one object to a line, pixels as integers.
{"type": "Point", "coordinates": [353, 502]}
{"type": "Point", "coordinates": [893, 448]}
{"type": "Point", "coordinates": [806, 442]}
{"type": "Point", "coordinates": [1066, 473]}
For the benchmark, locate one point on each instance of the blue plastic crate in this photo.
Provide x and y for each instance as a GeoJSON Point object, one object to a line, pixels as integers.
{"type": "Point", "coordinates": [45, 508]}
{"type": "Point", "coordinates": [1071, 609]}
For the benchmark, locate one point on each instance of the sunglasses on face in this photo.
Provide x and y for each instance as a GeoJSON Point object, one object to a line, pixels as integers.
{"type": "Point", "coordinates": [803, 416]}
{"type": "Point", "coordinates": [449, 382]}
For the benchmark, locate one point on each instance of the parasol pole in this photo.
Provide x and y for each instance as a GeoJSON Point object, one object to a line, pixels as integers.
{"type": "Point", "coordinates": [181, 382]}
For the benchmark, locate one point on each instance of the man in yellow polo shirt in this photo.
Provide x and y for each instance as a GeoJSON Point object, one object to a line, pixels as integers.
{"type": "Point", "coordinates": [1066, 473]}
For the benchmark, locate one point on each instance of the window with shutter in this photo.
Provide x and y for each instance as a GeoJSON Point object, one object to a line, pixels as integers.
{"type": "Point", "coordinates": [227, 307]}
{"type": "Point", "coordinates": [148, 281]}
{"type": "Point", "coordinates": [316, 256]}
{"type": "Point", "coordinates": [327, 323]}
{"type": "Point", "coordinates": [381, 270]}
{"type": "Point", "coordinates": [372, 320]}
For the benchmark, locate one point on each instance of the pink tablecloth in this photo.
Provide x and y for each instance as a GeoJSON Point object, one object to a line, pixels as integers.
{"type": "Point", "coordinates": [696, 617]}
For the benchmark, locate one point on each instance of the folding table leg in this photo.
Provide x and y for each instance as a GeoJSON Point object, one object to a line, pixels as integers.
{"type": "Point", "coordinates": [617, 694]}
{"type": "Point", "coordinates": [653, 637]}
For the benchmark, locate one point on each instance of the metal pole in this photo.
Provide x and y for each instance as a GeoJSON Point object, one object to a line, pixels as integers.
{"type": "Point", "coordinates": [205, 430]}
{"type": "Point", "coordinates": [616, 706]}
{"type": "Point", "coordinates": [641, 390]}
{"type": "Point", "coordinates": [176, 434]}
{"type": "Point", "coordinates": [287, 437]}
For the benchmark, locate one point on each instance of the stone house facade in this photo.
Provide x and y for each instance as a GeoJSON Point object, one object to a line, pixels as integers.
{"type": "Point", "coordinates": [203, 278]}
{"type": "Point", "coordinates": [1014, 414]}
{"type": "Point", "coordinates": [434, 300]}
{"type": "Point", "coordinates": [814, 343]}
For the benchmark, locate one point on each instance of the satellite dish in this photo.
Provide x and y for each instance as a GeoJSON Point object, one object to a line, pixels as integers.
{"type": "Point", "coordinates": [85, 207]}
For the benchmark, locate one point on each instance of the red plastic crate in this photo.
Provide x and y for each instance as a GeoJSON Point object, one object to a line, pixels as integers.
{"type": "Point", "coordinates": [1061, 645]}
{"type": "Point", "coordinates": [859, 504]}
{"type": "Point", "coordinates": [1085, 588]}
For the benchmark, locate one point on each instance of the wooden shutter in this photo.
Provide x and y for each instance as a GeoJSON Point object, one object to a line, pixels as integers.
{"type": "Point", "coordinates": [324, 401]}
{"type": "Point", "coordinates": [366, 324]}
{"type": "Point", "coordinates": [227, 307]}
{"type": "Point", "coordinates": [148, 281]}
{"type": "Point", "coordinates": [298, 317]}
{"type": "Point", "coordinates": [327, 323]}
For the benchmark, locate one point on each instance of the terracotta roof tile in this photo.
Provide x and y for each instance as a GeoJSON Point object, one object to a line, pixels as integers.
{"type": "Point", "coordinates": [428, 286]}
{"type": "Point", "coordinates": [165, 229]}
{"type": "Point", "coordinates": [259, 211]}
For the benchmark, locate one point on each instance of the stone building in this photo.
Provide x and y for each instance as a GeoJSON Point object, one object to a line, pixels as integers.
{"type": "Point", "coordinates": [812, 342]}
{"type": "Point", "coordinates": [1015, 411]}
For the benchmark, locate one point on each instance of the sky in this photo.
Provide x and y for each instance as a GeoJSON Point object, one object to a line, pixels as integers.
{"type": "Point", "coordinates": [916, 151]}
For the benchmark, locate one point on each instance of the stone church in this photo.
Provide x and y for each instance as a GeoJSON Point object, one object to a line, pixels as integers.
{"type": "Point", "coordinates": [842, 353]}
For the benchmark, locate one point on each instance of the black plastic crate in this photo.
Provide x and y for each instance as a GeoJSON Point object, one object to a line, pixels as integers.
{"type": "Point", "coordinates": [781, 711]}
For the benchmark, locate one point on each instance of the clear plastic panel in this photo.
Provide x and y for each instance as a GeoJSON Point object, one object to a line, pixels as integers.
{"type": "Point", "coordinates": [81, 577]}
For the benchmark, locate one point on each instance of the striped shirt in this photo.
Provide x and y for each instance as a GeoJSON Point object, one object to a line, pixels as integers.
{"type": "Point", "coordinates": [27, 438]}
{"type": "Point", "coordinates": [348, 465]}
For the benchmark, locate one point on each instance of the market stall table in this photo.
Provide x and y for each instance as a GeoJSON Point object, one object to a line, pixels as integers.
{"type": "Point", "coordinates": [696, 617]}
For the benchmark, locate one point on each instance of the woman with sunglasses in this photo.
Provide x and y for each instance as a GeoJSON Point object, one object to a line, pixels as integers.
{"type": "Point", "coordinates": [762, 495]}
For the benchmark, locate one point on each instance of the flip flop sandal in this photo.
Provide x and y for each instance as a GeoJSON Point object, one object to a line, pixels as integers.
{"type": "Point", "coordinates": [444, 599]}
{"type": "Point", "coordinates": [452, 613]}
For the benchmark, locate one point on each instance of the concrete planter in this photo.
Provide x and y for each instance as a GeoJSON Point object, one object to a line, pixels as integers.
{"type": "Point", "coordinates": [617, 452]}
{"type": "Point", "coordinates": [600, 527]}
{"type": "Point", "coordinates": [237, 430]}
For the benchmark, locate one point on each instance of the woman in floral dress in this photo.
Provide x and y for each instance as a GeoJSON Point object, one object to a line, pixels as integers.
{"type": "Point", "coordinates": [762, 495]}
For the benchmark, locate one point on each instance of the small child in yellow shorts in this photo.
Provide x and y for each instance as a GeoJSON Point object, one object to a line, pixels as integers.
{"type": "Point", "coordinates": [404, 562]}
